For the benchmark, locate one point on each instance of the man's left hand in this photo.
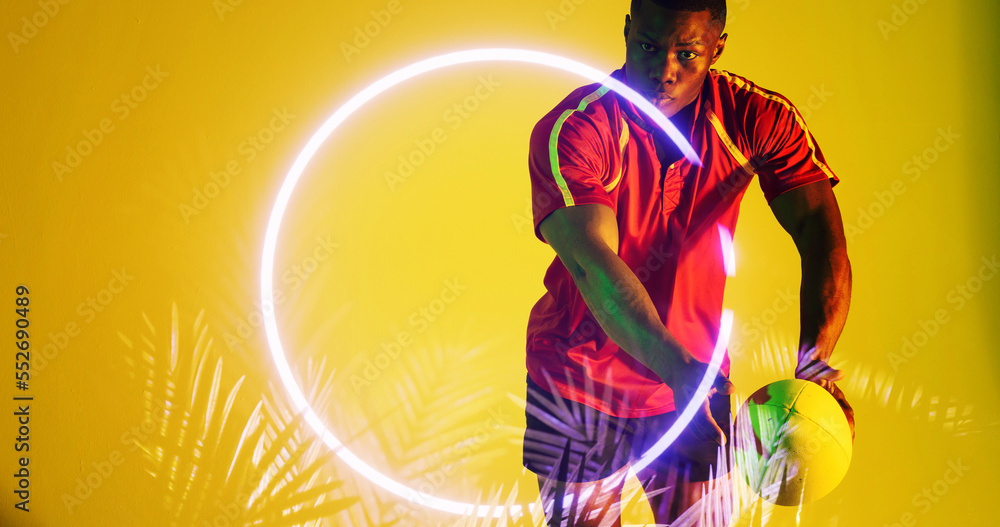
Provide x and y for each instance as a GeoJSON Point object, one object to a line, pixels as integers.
{"type": "Point", "coordinates": [813, 367]}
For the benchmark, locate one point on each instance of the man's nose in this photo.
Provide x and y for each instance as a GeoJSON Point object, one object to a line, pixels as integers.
{"type": "Point", "coordinates": [665, 72]}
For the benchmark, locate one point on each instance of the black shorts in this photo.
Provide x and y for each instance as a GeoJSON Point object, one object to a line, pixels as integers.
{"type": "Point", "coordinates": [569, 441]}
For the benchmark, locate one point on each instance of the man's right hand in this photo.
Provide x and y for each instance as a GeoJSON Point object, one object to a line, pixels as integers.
{"type": "Point", "coordinates": [703, 436]}
{"type": "Point", "coordinates": [585, 237]}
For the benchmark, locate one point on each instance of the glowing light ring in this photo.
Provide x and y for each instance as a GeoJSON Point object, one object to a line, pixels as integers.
{"type": "Point", "coordinates": [706, 384]}
{"type": "Point", "coordinates": [291, 179]}
{"type": "Point", "coordinates": [728, 254]}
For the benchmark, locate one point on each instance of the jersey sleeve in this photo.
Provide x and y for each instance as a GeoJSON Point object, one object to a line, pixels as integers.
{"type": "Point", "coordinates": [786, 152]}
{"type": "Point", "coordinates": [568, 162]}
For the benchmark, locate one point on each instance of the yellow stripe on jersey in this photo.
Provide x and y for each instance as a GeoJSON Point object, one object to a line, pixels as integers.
{"type": "Point", "coordinates": [726, 140]}
{"type": "Point", "coordinates": [622, 143]}
{"type": "Point", "coordinates": [740, 83]}
{"type": "Point", "coordinates": [554, 142]}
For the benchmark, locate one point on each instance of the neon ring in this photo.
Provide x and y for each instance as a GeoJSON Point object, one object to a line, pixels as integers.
{"type": "Point", "coordinates": [307, 153]}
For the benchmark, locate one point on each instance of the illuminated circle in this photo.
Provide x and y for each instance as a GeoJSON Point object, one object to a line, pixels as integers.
{"type": "Point", "coordinates": [285, 193]}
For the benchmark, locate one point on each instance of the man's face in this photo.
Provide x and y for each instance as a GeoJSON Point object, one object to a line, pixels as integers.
{"type": "Point", "coordinates": [669, 53]}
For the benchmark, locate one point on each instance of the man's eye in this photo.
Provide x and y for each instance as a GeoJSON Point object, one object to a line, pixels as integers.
{"type": "Point", "coordinates": [688, 55]}
{"type": "Point", "coordinates": [648, 48]}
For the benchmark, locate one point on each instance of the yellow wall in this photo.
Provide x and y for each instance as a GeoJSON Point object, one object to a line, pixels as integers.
{"type": "Point", "coordinates": [107, 247]}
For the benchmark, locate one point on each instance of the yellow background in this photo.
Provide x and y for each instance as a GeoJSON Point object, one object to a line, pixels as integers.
{"type": "Point", "coordinates": [376, 253]}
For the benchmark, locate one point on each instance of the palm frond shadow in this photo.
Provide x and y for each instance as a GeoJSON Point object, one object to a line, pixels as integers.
{"type": "Point", "coordinates": [433, 421]}
{"type": "Point", "coordinates": [723, 502]}
{"type": "Point", "coordinates": [605, 500]}
{"type": "Point", "coordinates": [497, 514]}
{"type": "Point", "coordinates": [207, 466]}
{"type": "Point", "coordinates": [864, 382]}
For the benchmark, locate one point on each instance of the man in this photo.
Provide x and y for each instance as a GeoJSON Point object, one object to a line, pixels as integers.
{"type": "Point", "coordinates": [620, 340]}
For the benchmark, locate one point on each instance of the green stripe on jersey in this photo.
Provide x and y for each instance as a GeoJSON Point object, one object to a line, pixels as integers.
{"type": "Point", "coordinates": [554, 142]}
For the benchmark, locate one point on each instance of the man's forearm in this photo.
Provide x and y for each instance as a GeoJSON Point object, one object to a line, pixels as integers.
{"type": "Point", "coordinates": [825, 293]}
{"type": "Point", "coordinates": [622, 306]}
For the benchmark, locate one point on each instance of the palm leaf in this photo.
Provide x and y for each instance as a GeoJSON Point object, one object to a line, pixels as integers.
{"type": "Point", "coordinates": [204, 463]}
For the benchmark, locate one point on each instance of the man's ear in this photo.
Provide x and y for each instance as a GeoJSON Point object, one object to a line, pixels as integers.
{"type": "Point", "coordinates": [719, 48]}
{"type": "Point", "coordinates": [628, 26]}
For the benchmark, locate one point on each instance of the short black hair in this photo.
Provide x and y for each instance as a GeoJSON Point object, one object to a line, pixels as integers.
{"type": "Point", "coordinates": [716, 7]}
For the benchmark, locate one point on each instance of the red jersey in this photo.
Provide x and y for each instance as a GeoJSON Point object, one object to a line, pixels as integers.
{"type": "Point", "coordinates": [596, 147]}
